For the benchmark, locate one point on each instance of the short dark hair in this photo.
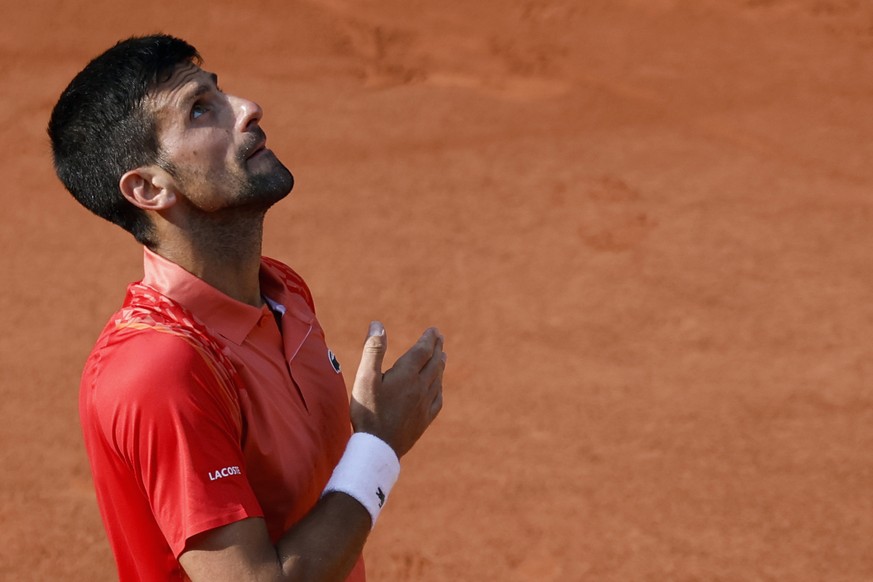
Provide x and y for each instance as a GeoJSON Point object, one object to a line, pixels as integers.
{"type": "Point", "coordinates": [101, 126]}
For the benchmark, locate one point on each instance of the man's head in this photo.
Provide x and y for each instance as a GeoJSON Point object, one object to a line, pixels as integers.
{"type": "Point", "coordinates": [143, 128]}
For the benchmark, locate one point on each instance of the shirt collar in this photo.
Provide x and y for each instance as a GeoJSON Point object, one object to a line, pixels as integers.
{"type": "Point", "coordinates": [231, 318]}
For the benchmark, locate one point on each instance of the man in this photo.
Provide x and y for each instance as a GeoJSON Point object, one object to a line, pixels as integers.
{"type": "Point", "coordinates": [221, 439]}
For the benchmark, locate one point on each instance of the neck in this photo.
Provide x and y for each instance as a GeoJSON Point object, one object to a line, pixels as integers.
{"type": "Point", "coordinates": [226, 255]}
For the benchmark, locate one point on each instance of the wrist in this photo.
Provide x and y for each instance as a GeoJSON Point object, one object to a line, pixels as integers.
{"type": "Point", "coordinates": [367, 471]}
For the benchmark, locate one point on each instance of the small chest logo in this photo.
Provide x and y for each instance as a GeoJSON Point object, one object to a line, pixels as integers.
{"type": "Point", "coordinates": [333, 361]}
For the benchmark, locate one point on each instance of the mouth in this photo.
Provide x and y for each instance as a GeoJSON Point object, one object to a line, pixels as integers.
{"type": "Point", "coordinates": [259, 146]}
{"type": "Point", "coordinates": [257, 150]}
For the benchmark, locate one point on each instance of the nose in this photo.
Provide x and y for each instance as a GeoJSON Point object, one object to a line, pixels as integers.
{"type": "Point", "coordinates": [248, 113]}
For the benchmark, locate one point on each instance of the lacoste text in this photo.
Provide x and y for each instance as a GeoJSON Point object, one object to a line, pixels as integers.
{"type": "Point", "coordinates": [226, 472]}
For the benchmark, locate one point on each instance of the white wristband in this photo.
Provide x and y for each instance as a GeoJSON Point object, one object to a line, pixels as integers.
{"type": "Point", "coordinates": [367, 471]}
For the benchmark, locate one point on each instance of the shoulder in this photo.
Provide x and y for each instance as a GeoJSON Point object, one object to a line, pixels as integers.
{"type": "Point", "coordinates": [137, 364]}
{"type": "Point", "coordinates": [134, 349]}
{"type": "Point", "coordinates": [148, 364]}
{"type": "Point", "coordinates": [153, 385]}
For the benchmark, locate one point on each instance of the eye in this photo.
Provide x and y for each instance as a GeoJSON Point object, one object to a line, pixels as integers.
{"type": "Point", "coordinates": [197, 110]}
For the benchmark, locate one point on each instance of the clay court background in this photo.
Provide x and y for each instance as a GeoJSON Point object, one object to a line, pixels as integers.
{"type": "Point", "coordinates": [645, 227]}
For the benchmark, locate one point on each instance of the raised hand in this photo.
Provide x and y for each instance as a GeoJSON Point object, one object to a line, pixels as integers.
{"type": "Point", "coordinates": [400, 404]}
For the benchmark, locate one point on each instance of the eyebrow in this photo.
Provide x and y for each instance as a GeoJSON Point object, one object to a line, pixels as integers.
{"type": "Point", "coordinates": [200, 90]}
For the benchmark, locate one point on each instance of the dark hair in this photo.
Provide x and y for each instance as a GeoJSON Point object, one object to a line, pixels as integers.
{"type": "Point", "coordinates": [101, 127]}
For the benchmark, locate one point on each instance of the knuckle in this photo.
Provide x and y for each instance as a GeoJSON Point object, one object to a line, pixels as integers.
{"type": "Point", "coordinates": [374, 345]}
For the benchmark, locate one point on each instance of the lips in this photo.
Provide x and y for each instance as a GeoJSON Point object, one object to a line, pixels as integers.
{"type": "Point", "coordinates": [259, 147]}
{"type": "Point", "coordinates": [259, 144]}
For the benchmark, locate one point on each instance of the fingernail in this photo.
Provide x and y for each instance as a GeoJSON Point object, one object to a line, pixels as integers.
{"type": "Point", "coordinates": [376, 328]}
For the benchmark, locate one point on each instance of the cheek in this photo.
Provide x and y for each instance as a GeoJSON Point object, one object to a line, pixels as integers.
{"type": "Point", "coordinates": [207, 155]}
{"type": "Point", "coordinates": [209, 160]}
{"type": "Point", "coordinates": [209, 144]}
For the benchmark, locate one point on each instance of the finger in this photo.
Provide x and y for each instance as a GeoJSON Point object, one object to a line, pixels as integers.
{"type": "Point", "coordinates": [375, 347]}
{"type": "Point", "coordinates": [420, 354]}
{"type": "Point", "coordinates": [436, 384]}
{"type": "Point", "coordinates": [435, 366]}
{"type": "Point", "coordinates": [437, 403]}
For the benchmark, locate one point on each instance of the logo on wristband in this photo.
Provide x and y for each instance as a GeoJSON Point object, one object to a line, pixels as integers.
{"type": "Point", "coordinates": [381, 496]}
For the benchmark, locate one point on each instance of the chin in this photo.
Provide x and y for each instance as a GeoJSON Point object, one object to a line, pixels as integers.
{"type": "Point", "coordinates": [262, 191]}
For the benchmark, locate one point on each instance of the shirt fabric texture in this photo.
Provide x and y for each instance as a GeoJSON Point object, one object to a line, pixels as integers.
{"type": "Point", "coordinates": [198, 412]}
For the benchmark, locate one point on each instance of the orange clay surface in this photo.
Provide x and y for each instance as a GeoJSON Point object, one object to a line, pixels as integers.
{"type": "Point", "coordinates": [644, 226]}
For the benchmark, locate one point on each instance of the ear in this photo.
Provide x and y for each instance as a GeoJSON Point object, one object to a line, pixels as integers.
{"type": "Point", "coordinates": [149, 188]}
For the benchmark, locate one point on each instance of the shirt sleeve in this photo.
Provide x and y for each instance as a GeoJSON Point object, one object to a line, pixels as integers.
{"type": "Point", "coordinates": [179, 430]}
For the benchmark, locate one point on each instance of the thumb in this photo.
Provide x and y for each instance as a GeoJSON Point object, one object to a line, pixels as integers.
{"type": "Point", "coordinates": [375, 346]}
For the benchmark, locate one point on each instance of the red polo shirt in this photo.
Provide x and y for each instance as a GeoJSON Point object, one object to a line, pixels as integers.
{"type": "Point", "coordinates": [198, 412]}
